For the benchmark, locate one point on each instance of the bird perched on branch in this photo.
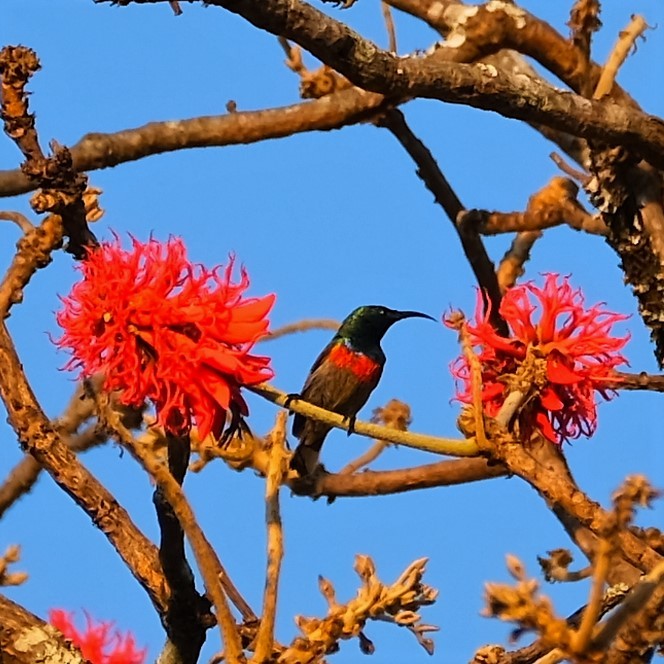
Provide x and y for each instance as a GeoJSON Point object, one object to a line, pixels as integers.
{"type": "Point", "coordinates": [343, 377]}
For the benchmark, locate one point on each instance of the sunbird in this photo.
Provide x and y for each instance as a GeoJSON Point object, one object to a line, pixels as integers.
{"type": "Point", "coordinates": [343, 377]}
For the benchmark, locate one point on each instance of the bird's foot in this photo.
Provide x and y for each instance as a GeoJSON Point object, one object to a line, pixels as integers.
{"type": "Point", "coordinates": [236, 426]}
{"type": "Point", "coordinates": [351, 424]}
{"type": "Point", "coordinates": [293, 396]}
{"type": "Point", "coordinates": [307, 485]}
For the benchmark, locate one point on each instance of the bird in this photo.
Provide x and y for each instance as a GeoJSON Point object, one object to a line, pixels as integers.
{"type": "Point", "coordinates": [342, 378]}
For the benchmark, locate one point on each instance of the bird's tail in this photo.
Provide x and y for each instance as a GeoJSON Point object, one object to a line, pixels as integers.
{"type": "Point", "coordinates": [305, 459]}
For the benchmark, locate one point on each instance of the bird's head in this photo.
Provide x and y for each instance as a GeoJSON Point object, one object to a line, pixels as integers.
{"type": "Point", "coordinates": [372, 321]}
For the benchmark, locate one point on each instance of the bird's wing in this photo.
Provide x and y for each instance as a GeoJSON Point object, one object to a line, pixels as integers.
{"type": "Point", "coordinates": [309, 391]}
{"type": "Point", "coordinates": [330, 386]}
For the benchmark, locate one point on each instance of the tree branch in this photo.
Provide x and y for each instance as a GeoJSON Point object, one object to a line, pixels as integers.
{"type": "Point", "coordinates": [96, 150]}
{"type": "Point", "coordinates": [436, 182]}
{"type": "Point", "coordinates": [26, 639]}
{"type": "Point", "coordinates": [38, 437]}
{"type": "Point", "coordinates": [378, 483]}
{"type": "Point", "coordinates": [374, 69]}
{"type": "Point", "coordinates": [433, 444]}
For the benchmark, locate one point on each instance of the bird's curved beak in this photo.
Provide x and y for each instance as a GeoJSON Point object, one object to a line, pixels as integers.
{"type": "Point", "coordinates": [400, 315]}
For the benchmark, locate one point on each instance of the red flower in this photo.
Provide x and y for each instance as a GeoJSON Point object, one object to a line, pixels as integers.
{"type": "Point", "coordinates": [97, 643]}
{"type": "Point", "coordinates": [161, 328]}
{"type": "Point", "coordinates": [567, 354]}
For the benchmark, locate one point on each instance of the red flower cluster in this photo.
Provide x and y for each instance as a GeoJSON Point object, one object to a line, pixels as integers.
{"type": "Point", "coordinates": [97, 643]}
{"type": "Point", "coordinates": [161, 328]}
{"type": "Point", "coordinates": [572, 353]}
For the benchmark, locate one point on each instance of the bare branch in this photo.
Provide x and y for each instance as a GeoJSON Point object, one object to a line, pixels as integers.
{"type": "Point", "coordinates": [276, 471]}
{"type": "Point", "coordinates": [378, 483]}
{"type": "Point", "coordinates": [302, 326]}
{"type": "Point", "coordinates": [26, 639]}
{"type": "Point", "coordinates": [418, 441]}
{"type": "Point", "coordinates": [19, 219]}
{"type": "Point", "coordinates": [584, 21]}
{"type": "Point", "coordinates": [625, 44]}
{"type": "Point", "coordinates": [430, 173]}
{"type": "Point", "coordinates": [204, 553]}
{"type": "Point", "coordinates": [511, 266]}
{"type": "Point", "coordinates": [62, 188]}
{"type": "Point", "coordinates": [389, 26]}
{"type": "Point", "coordinates": [38, 437]}
{"type": "Point", "coordinates": [553, 205]}
{"type": "Point", "coordinates": [433, 77]}
{"type": "Point", "coordinates": [95, 151]}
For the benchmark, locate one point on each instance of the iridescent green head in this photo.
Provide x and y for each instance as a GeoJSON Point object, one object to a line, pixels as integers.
{"type": "Point", "coordinates": [371, 322]}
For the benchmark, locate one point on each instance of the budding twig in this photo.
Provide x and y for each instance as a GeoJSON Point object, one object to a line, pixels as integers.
{"type": "Point", "coordinates": [397, 603]}
{"type": "Point", "coordinates": [11, 555]}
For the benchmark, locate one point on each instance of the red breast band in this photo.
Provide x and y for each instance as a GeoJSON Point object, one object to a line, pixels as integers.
{"type": "Point", "coordinates": [361, 365]}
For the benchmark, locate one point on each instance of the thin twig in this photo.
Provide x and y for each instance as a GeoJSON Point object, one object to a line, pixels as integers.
{"type": "Point", "coordinates": [511, 265]}
{"type": "Point", "coordinates": [584, 21]}
{"type": "Point", "coordinates": [302, 326]}
{"type": "Point", "coordinates": [275, 540]}
{"type": "Point", "coordinates": [435, 181]}
{"type": "Point", "coordinates": [200, 545]}
{"type": "Point", "coordinates": [583, 635]}
{"type": "Point", "coordinates": [475, 366]}
{"type": "Point", "coordinates": [396, 415]}
{"type": "Point", "coordinates": [389, 26]}
{"type": "Point", "coordinates": [640, 381]}
{"type": "Point", "coordinates": [453, 447]}
{"type": "Point", "coordinates": [19, 219]}
{"type": "Point", "coordinates": [623, 46]}
{"type": "Point", "coordinates": [582, 177]}
{"type": "Point", "coordinates": [634, 601]}
{"type": "Point", "coordinates": [366, 458]}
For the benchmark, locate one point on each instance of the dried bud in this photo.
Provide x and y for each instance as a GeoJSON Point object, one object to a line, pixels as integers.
{"type": "Point", "coordinates": [515, 567]}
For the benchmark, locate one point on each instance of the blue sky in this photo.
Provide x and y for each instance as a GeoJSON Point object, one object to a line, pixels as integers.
{"type": "Point", "coordinates": [327, 221]}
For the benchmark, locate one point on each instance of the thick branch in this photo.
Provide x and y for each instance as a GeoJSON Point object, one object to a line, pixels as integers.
{"type": "Point", "coordinates": [23, 476]}
{"type": "Point", "coordinates": [372, 68]}
{"type": "Point", "coordinates": [95, 151]}
{"type": "Point", "coordinates": [38, 437]}
{"type": "Point", "coordinates": [206, 558]}
{"type": "Point", "coordinates": [545, 469]}
{"type": "Point", "coordinates": [26, 639]}
{"type": "Point", "coordinates": [376, 483]}
{"type": "Point", "coordinates": [186, 618]}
